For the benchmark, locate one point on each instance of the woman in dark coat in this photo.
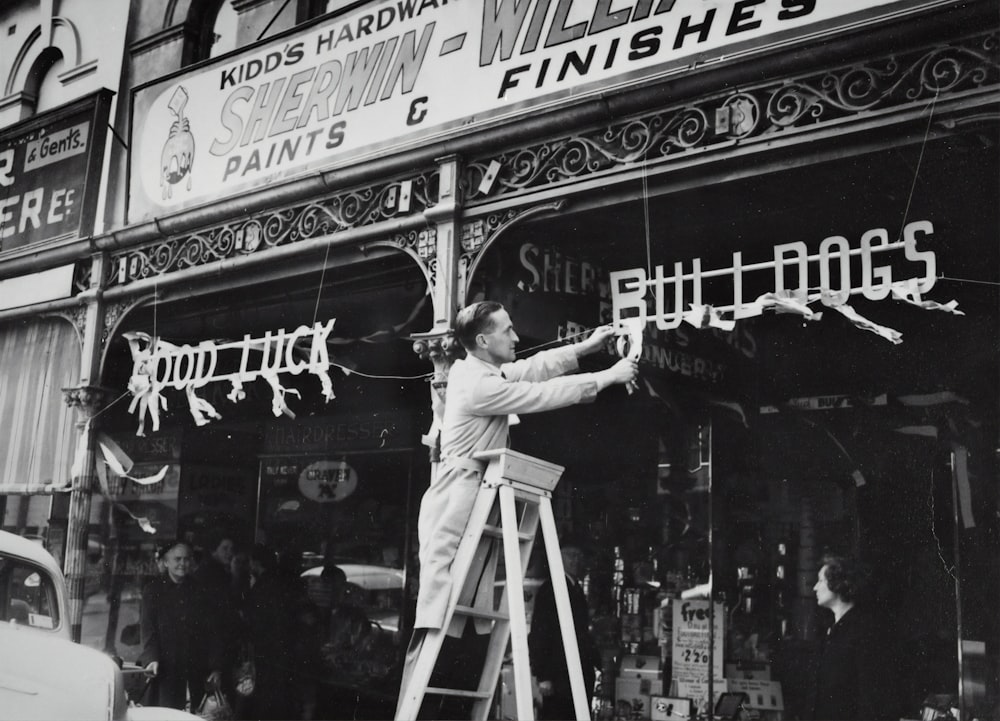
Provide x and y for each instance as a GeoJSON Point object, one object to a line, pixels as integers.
{"type": "Point", "coordinates": [854, 674]}
{"type": "Point", "coordinates": [179, 644]}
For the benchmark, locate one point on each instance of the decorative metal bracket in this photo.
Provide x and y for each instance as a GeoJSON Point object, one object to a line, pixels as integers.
{"type": "Point", "coordinates": [478, 235]}
{"type": "Point", "coordinates": [75, 316]}
{"type": "Point", "coordinates": [420, 244]}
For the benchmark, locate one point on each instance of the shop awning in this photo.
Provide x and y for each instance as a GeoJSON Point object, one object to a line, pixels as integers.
{"type": "Point", "coordinates": [38, 358]}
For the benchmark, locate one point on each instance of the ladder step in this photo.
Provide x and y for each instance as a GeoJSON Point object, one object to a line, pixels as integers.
{"type": "Point", "coordinates": [438, 691]}
{"type": "Point", "coordinates": [497, 532]}
{"type": "Point", "coordinates": [481, 613]}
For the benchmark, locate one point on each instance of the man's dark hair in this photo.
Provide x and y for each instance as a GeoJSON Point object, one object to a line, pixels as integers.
{"type": "Point", "coordinates": [846, 577]}
{"type": "Point", "coordinates": [473, 320]}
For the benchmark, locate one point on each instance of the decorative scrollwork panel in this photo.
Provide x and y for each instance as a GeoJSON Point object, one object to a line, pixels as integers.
{"type": "Point", "coordinates": [755, 112]}
{"type": "Point", "coordinates": [268, 229]}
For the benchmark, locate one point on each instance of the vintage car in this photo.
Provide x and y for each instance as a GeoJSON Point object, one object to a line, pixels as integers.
{"type": "Point", "coordinates": [43, 673]}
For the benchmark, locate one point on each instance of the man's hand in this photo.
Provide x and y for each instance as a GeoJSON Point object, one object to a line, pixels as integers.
{"type": "Point", "coordinates": [597, 340]}
{"type": "Point", "coordinates": [152, 667]}
{"type": "Point", "coordinates": [624, 371]}
{"type": "Point", "coordinates": [214, 680]}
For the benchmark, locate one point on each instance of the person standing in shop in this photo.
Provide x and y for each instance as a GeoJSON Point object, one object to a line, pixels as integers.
{"type": "Point", "coordinates": [854, 673]}
{"type": "Point", "coordinates": [181, 648]}
{"type": "Point", "coordinates": [215, 575]}
{"type": "Point", "coordinates": [545, 643]}
{"type": "Point", "coordinates": [484, 389]}
{"type": "Point", "coordinates": [273, 610]}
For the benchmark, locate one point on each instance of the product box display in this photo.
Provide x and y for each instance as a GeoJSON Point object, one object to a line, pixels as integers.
{"type": "Point", "coordinates": [668, 708]}
{"type": "Point", "coordinates": [637, 694]}
{"type": "Point", "coordinates": [638, 666]}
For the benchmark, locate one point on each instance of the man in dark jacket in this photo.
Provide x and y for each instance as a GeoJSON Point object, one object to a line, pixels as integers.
{"type": "Point", "coordinates": [180, 646]}
{"type": "Point", "coordinates": [545, 645]}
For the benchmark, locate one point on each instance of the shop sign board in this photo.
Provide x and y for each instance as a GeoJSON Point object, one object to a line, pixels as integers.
{"type": "Point", "coordinates": [45, 285]}
{"type": "Point", "coordinates": [395, 73]}
{"type": "Point", "coordinates": [381, 430]}
{"type": "Point", "coordinates": [328, 481]}
{"type": "Point", "coordinates": [50, 172]}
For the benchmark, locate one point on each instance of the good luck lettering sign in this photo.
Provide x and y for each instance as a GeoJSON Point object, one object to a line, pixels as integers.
{"type": "Point", "coordinates": [840, 269]}
{"type": "Point", "coordinates": [159, 365]}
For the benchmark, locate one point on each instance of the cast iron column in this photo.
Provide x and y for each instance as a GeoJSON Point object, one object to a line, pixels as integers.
{"type": "Point", "coordinates": [89, 399]}
{"type": "Point", "coordinates": [447, 291]}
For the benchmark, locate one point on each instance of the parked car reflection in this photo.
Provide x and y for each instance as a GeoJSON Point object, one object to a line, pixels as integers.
{"type": "Point", "coordinates": [378, 590]}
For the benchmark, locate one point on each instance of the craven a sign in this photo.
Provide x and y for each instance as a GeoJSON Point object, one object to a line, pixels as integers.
{"type": "Point", "coordinates": [50, 172]}
{"type": "Point", "coordinates": [393, 73]}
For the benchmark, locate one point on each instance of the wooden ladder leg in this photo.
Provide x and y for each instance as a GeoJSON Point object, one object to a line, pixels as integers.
{"type": "Point", "coordinates": [501, 631]}
{"type": "Point", "coordinates": [417, 675]}
{"type": "Point", "coordinates": [565, 613]}
{"type": "Point", "coordinates": [515, 600]}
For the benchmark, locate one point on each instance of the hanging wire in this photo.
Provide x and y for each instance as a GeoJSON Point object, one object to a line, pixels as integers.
{"type": "Point", "coordinates": [645, 215]}
{"type": "Point", "coordinates": [920, 158]}
{"type": "Point", "coordinates": [351, 371]}
{"type": "Point", "coordinates": [555, 341]}
{"type": "Point", "coordinates": [322, 277]}
{"type": "Point", "coordinates": [107, 407]}
{"type": "Point", "coordinates": [969, 280]}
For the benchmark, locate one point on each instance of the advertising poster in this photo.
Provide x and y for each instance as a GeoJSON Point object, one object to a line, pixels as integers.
{"type": "Point", "coordinates": [691, 641]}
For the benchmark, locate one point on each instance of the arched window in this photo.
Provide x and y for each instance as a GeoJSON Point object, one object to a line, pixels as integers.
{"type": "Point", "coordinates": [223, 31]}
{"type": "Point", "coordinates": [42, 83]}
{"type": "Point", "coordinates": [216, 21]}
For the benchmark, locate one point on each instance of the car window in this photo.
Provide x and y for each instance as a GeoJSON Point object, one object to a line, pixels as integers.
{"type": "Point", "coordinates": [27, 595]}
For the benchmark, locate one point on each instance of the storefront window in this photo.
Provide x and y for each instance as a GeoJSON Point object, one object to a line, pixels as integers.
{"type": "Point", "coordinates": [751, 454]}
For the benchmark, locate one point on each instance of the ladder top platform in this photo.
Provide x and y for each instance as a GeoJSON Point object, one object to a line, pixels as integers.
{"type": "Point", "coordinates": [508, 465]}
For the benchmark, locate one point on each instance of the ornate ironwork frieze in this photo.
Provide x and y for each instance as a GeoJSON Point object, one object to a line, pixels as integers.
{"type": "Point", "coordinates": [339, 212]}
{"type": "Point", "coordinates": [756, 113]}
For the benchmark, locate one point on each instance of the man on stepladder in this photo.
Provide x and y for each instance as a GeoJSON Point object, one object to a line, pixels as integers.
{"type": "Point", "coordinates": [483, 390]}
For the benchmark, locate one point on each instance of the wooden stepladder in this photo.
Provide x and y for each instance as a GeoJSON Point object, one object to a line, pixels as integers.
{"type": "Point", "coordinates": [511, 481]}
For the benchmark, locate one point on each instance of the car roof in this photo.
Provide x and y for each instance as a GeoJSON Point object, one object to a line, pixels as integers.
{"type": "Point", "coordinates": [13, 545]}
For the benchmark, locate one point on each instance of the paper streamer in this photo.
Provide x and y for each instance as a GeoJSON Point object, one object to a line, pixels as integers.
{"type": "Point", "coordinates": [787, 301]}
{"type": "Point", "coordinates": [629, 345]}
{"type": "Point", "coordinates": [200, 408]}
{"type": "Point", "coordinates": [932, 399]}
{"type": "Point", "coordinates": [119, 462]}
{"type": "Point", "coordinates": [962, 487]}
{"type": "Point", "coordinates": [925, 431]}
{"type": "Point", "coordinates": [893, 336]}
{"type": "Point", "coordinates": [908, 291]}
{"type": "Point", "coordinates": [705, 316]}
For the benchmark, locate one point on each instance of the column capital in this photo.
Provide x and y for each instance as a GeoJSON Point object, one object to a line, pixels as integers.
{"type": "Point", "coordinates": [87, 398]}
{"type": "Point", "coordinates": [437, 345]}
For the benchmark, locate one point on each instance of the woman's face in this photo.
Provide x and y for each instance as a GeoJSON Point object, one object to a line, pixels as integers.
{"type": "Point", "coordinates": [824, 596]}
{"type": "Point", "coordinates": [224, 552]}
{"type": "Point", "coordinates": [178, 562]}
